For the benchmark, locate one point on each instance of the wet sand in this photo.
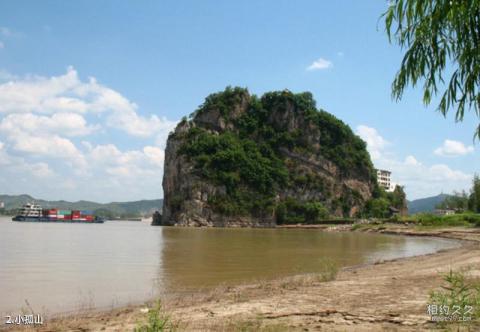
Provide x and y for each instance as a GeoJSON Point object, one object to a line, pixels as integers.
{"type": "Point", "coordinates": [389, 295]}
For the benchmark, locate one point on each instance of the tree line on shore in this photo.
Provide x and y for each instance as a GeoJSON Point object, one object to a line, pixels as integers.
{"type": "Point", "coordinates": [464, 201]}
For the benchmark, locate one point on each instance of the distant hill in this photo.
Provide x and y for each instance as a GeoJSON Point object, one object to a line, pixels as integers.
{"type": "Point", "coordinates": [113, 209]}
{"type": "Point", "coordinates": [425, 204]}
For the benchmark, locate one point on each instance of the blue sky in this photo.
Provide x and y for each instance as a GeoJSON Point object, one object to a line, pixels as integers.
{"type": "Point", "coordinates": [90, 89]}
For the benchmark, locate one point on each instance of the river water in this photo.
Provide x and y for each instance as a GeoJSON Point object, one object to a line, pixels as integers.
{"type": "Point", "coordinates": [67, 267]}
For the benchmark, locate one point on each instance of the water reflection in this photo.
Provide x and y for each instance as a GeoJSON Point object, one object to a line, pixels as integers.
{"type": "Point", "coordinates": [193, 258]}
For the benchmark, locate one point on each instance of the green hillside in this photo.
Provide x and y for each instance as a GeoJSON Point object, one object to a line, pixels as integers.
{"type": "Point", "coordinates": [425, 204]}
{"type": "Point", "coordinates": [113, 209]}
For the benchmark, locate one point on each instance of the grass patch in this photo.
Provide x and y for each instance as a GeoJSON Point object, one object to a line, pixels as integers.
{"type": "Point", "coordinates": [459, 299]}
{"type": "Point", "coordinates": [157, 320]}
{"type": "Point", "coordinates": [251, 325]}
{"type": "Point", "coordinates": [362, 227]}
{"type": "Point", "coordinates": [356, 227]}
{"type": "Point", "coordinates": [328, 272]}
{"type": "Point", "coordinates": [432, 220]}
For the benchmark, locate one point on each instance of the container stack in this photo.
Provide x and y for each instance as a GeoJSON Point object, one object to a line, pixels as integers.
{"type": "Point", "coordinates": [75, 215]}
{"type": "Point", "coordinates": [64, 215]}
{"type": "Point", "coordinates": [52, 214]}
{"type": "Point", "coordinates": [86, 215]}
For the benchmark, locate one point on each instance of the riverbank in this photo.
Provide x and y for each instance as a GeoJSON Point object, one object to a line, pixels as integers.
{"type": "Point", "coordinates": [388, 295]}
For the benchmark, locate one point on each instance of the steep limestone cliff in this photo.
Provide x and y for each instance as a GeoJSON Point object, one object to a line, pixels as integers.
{"type": "Point", "coordinates": [247, 161]}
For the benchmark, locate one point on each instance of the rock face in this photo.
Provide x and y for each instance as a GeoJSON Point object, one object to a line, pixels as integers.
{"type": "Point", "coordinates": [156, 219]}
{"type": "Point", "coordinates": [247, 161]}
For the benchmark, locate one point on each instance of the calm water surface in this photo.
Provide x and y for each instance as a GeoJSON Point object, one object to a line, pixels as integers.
{"type": "Point", "coordinates": [63, 267]}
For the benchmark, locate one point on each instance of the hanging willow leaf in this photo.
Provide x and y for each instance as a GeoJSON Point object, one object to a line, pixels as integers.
{"type": "Point", "coordinates": [437, 33]}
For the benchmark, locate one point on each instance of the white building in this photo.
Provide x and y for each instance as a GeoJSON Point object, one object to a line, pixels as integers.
{"type": "Point", "coordinates": [444, 212]}
{"type": "Point", "coordinates": [2, 205]}
{"type": "Point", "coordinates": [383, 179]}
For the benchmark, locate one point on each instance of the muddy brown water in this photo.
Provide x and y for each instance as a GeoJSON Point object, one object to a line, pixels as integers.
{"type": "Point", "coordinates": [67, 267]}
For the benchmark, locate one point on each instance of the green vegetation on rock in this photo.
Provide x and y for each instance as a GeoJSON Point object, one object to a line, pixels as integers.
{"type": "Point", "coordinates": [292, 211]}
{"type": "Point", "coordinates": [381, 203]}
{"type": "Point", "coordinates": [251, 155]}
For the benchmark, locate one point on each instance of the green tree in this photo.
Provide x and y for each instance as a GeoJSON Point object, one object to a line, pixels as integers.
{"type": "Point", "coordinates": [315, 211]}
{"type": "Point", "coordinates": [399, 198]}
{"type": "Point", "coordinates": [377, 207]}
{"type": "Point", "coordinates": [475, 195]}
{"type": "Point", "coordinates": [457, 201]}
{"type": "Point", "coordinates": [436, 33]}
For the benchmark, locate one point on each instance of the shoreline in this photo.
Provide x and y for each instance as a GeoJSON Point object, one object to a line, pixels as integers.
{"type": "Point", "coordinates": [384, 295]}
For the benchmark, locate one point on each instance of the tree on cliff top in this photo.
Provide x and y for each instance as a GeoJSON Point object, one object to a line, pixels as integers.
{"type": "Point", "coordinates": [437, 32]}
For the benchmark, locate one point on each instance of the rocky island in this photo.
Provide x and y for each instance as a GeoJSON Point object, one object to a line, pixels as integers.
{"type": "Point", "coordinates": [241, 160]}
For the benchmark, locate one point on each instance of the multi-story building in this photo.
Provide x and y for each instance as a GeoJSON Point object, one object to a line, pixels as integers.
{"type": "Point", "coordinates": [383, 179]}
{"type": "Point", "coordinates": [2, 205]}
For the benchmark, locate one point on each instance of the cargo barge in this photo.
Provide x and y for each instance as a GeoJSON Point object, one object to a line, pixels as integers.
{"type": "Point", "coordinates": [35, 213]}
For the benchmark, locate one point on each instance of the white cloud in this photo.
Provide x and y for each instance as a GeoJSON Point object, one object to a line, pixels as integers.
{"type": "Point", "coordinates": [68, 94]}
{"type": "Point", "coordinates": [109, 173]}
{"type": "Point", "coordinates": [375, 143]}
{"type": "Point", "coordinates": [451, 148]}
{"type": "Point", "coordinates": [49, 131]}
{"type": "Point", "coordinates": [40, 94]}
{"type": "Point", "coordinates": [20, 165]}
{"type": "Point", "coordinates": [127, 164]}
{"type": "Point", "coordinates": [139, 126]}
{"type": "Point", "coordinates": [155, 155]}
{"type": "Point", "coordinates": [320, 64]}
{"type": "Point", "coordinates": [6, 32]}
{"type": "Point", "coordinates": [68, 124]}
{"type": "Point", "coordinates": [420, 180]}
{"type": "Point", "coordinates": [40, 170]}
{"type": "Point", "coordinates": [105, 154]}
{"type": "Point", "coordinates": [6, 76]}
{"type": "Point", "coordinates": [412, 161]}
{"type": "Point", "coordinates": [48, 146]}
{"type": "Point", "coordinates": [4, 157]}
{"type": "Point", "coordinates": [2, 45]}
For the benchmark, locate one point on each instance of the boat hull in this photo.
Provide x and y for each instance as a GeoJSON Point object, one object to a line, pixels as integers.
{"type": "Point", "coordinates": [44, 219]}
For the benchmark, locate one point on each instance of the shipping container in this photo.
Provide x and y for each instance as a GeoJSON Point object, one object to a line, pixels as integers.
{"type": "Point", "coordinates": [64, 212]}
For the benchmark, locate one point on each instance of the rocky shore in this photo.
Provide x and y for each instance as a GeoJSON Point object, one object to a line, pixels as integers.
{"type": "Point", "coordinates": [384, 296]}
